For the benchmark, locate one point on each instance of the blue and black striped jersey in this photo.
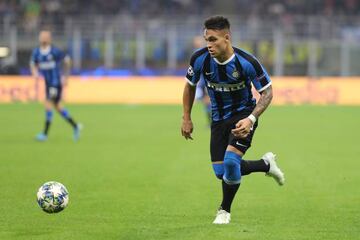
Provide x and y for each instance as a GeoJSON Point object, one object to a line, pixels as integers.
{"type": "Point", "coordinates": [49, 63]}
{"type": "Point", "coordinates": [229, 82]}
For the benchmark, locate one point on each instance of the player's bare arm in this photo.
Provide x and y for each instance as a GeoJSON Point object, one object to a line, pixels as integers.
{"type": "Point", "coordinates": [67, 68]}
{"type": "Point", "coordinates": [188, 101]}
{"type": "Point", "coordinates": [243, 127]}
{"type": "Point", "coordinates": [34, 70]}
{"type": "Point", "coordinates": [264, 101]}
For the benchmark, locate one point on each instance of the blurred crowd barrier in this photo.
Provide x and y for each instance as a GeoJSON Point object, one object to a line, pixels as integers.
{"type": "Point", "coordinates": [168, 90]}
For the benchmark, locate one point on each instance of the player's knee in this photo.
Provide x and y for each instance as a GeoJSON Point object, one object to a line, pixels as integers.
{"type": "Point", "coordinates": [218, 169]}
{"type": "Point", "coordinates": [232, 173]}
{"type": "Point", "coordinates": [230, 163]}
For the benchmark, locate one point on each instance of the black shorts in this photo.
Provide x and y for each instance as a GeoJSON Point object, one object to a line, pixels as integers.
{"type": "Point", "coordinates": [221, 137]}
{"type": "Point", "coordinates": [54, 94]}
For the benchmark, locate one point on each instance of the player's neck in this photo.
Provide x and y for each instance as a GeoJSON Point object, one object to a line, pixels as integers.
{"type": "Point", "coordinates": [45, 46]}
{"type": "Point", "coordinates": [45, 49]}
{"type": "Point", "coordinates": [226, 56]}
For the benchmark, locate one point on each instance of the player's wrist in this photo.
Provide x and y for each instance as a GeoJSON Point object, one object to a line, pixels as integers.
{"type": "Point", "coordinates": [252, 118]}
{"type": "Point", "coordinates": [186, 118]}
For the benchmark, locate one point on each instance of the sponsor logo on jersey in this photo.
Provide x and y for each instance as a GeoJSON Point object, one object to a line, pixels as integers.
{"type": "Point", "coordinates": [223, 87]}
{"type": "Point", "coordinates": [47, 65]}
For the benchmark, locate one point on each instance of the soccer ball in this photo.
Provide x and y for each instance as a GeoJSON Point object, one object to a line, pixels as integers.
{"type": "Point", "coordinates": [52, 197]}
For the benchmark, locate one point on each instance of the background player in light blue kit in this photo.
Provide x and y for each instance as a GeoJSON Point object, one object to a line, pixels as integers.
{"type": "Point", "coordinates": [47, 60]}
{"type": "Point", "coordinates": [229, 73]}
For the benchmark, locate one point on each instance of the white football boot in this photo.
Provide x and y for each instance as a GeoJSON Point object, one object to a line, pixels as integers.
{"type": "Point", "coordinates": [222, 217]}
{"type": "Point", "coordinates": [274, 170]}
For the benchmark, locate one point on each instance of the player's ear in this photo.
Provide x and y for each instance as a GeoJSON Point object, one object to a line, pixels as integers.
{"type": "Point", "coordinates": [227, 37]}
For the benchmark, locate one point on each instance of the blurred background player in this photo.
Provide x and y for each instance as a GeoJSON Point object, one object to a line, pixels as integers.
{"type": "Point", "coordinates": [201, 92]}
{"type": "Point", "coordinates": [47, 60]}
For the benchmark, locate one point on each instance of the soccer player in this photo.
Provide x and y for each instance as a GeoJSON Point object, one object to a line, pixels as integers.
{"type": "Point", "coordinates": [229, 73]}
{"type": "Point", "coordinates": [47, 60]}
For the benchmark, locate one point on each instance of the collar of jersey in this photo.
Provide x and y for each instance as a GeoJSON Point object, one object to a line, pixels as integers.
{"type": "Point", "coordinates": [46, 50]}
{"type": "Point", "coordinates": [225, 62]}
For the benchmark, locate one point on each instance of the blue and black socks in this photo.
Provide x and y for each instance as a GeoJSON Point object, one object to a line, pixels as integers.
{"type": "Point", "coordinates": [49, 117]}
{"type": "Point", "coordinates": [67, 117]}
{"type": "Point", "coordinates": [232, 171]}
{"type": "Point", "coordinates": [229, 192]}
{"type": "Point", "coordinates": [231, 179]}
{"type": "Point", "coordinates": [248, 167]}
{"type": "Point", "coordinates": [233, 168]}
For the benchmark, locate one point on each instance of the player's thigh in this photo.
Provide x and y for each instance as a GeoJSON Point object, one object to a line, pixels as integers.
{"type": "Point", "coordinates": [218, 142]}
{"type": "Point", "coordinates": [48, 104]}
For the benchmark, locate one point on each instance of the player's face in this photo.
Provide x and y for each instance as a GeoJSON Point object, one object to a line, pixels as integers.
{"type": "Point", "coordinates": [45, 38]}
{"type": "Point", "coordinates": [216, 41]}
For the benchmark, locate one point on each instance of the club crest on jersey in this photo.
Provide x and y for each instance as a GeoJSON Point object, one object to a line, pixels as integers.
{"type": "Point", "coordinates": [190, 71]}
{"type": "Point", "coordinates": [235, 74]}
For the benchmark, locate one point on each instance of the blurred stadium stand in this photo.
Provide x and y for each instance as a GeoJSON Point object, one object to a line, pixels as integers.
{"type": "Point", "coordinates": [139, 37]}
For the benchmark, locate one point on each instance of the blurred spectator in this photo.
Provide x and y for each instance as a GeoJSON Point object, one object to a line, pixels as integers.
{"type": "Point", "coordinates": [7, 8]}
{"type": "Point", "coordinates": [32, 10]}
{"type": "Point", "coordinates": [55, 10]}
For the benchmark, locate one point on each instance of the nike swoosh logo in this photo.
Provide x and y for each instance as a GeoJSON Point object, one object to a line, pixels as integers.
{"type": "Point", "coordinates": [208, 73]}
{"type": "Point", "coordinates": [237, 143]}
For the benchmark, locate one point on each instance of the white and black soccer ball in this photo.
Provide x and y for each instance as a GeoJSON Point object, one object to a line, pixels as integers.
{"type": "Point", "coordinates": [52, 197]}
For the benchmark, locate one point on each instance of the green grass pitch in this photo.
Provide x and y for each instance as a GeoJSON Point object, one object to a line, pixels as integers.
{"type": "Point", "coordinates": [132, 175]}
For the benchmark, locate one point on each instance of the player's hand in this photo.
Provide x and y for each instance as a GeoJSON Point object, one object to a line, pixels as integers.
{"type": "Point", "coordinates": [187, 129]}
{"type": "Point", "coordinates": [242, 128]}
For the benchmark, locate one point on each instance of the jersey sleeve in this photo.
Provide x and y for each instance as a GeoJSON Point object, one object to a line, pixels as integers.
{"type": "Point", "coordinates": [258, 75]}
{"type": "Point", "coordinates": [59, 55]}
{"type": "Point", "coordinates": [194, 70]}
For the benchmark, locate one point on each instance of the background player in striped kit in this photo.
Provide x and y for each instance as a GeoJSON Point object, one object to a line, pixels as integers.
{"type": "Point", "coordinates": [229, 73]}
{"type": "Point", "coordinates": [46, 59]}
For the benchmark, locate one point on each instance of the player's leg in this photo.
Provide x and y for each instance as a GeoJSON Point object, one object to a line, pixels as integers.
{"type": "Point", "coordinates": [66, 115]}
{"type": "Point", "coordinates": [232, 176]}
{"type": "Point", "coordinates": [267, 164]}
{"type": "Point", "coordinates": [218, 146]}
{"type": "Point", "coordinates": [234, 166]}
{"type": "Point", "coordinates": [247, 166]}
{"type": "Point", "coordinates": [48, 117]}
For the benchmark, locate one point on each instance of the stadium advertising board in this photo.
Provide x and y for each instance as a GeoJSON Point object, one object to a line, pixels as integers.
{"type": "Point", "coordinates": [168, 90]}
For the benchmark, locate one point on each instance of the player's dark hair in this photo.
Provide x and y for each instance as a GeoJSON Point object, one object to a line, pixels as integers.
{"type": "Point", "coordinates": [217, 23]}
